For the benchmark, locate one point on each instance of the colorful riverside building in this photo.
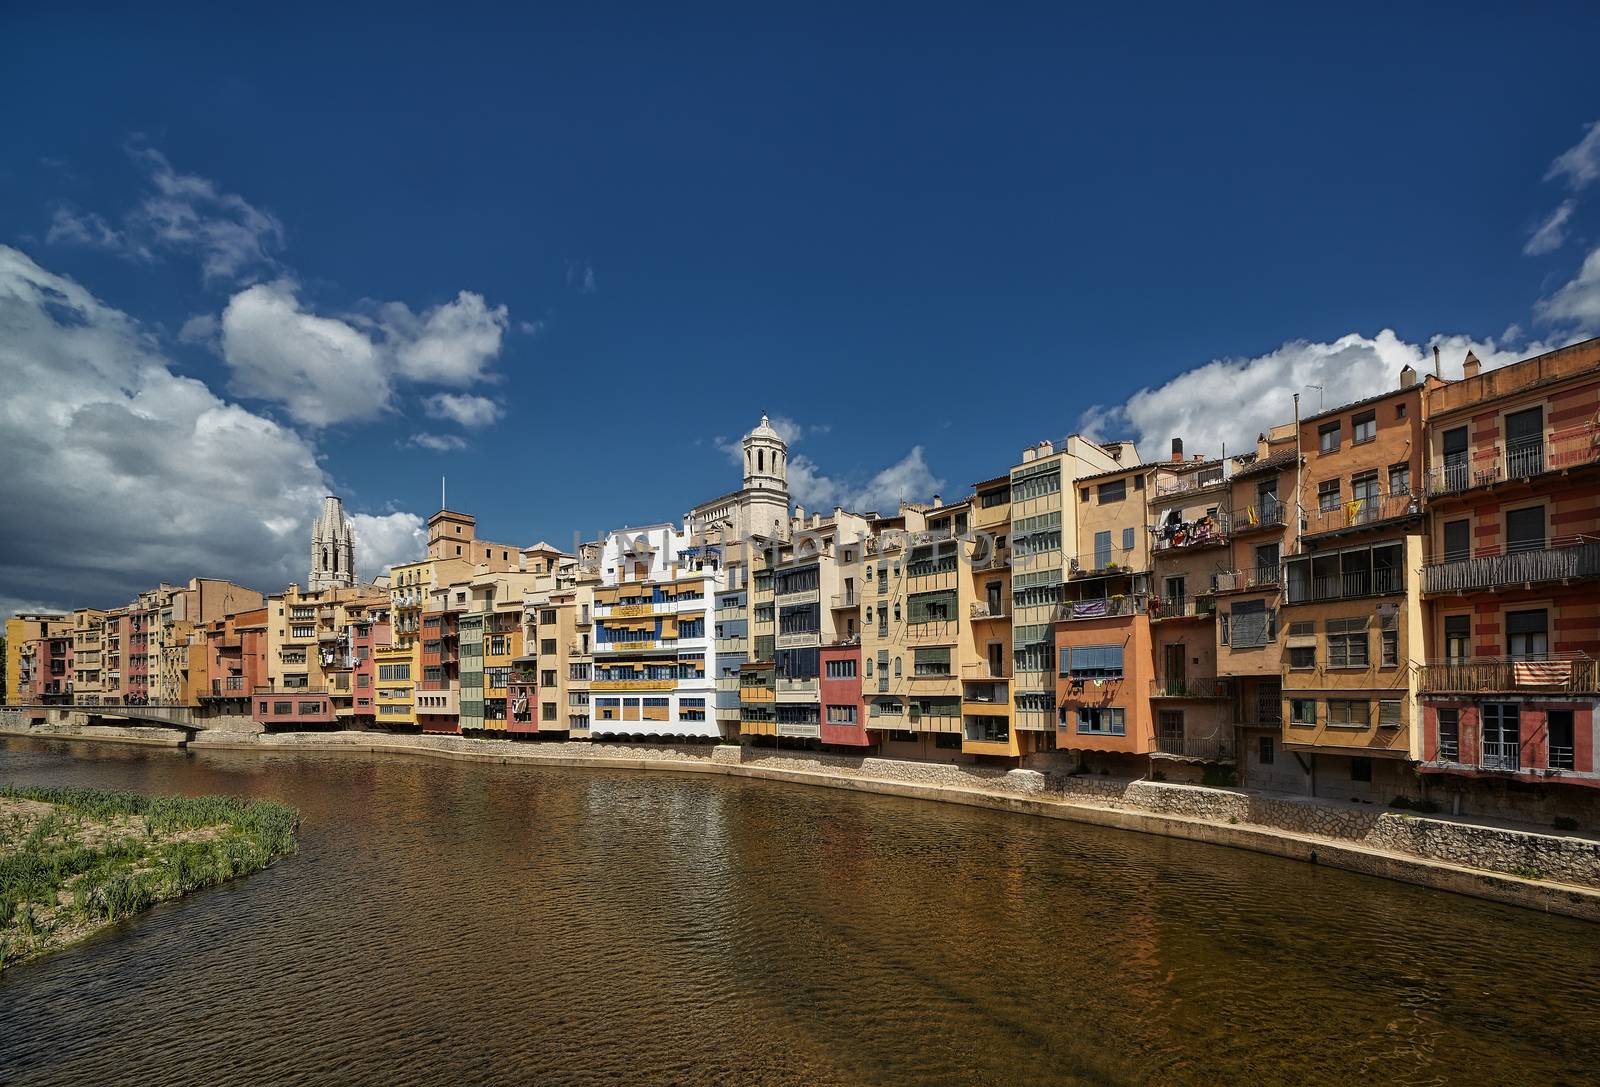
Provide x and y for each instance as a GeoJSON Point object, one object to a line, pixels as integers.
{"type": "Point", "coordinates": [395, 668]}
{"type": "Point", "coordinates": [312, 655]}
{"type": "Point", "coordinates": [985, 644]}
{"type": "Point", "coordinates": [549, 684]}
{"type": "Point", "coordinates": [654, 613]}
{"type": "Point", "coordinates": [1248, 597]}
{"type": "Point", "coordinates": [1511, 585]}
{"type": "Point", "coordinates": [38, 658]}
{"type": "Point", "coordinates": [1102, 624]}
{"type": "Point", "coordinates": [1351, 607]}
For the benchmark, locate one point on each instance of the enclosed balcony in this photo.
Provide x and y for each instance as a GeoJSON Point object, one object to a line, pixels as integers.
{"type": "Point", "coordinates": [1513, 569]}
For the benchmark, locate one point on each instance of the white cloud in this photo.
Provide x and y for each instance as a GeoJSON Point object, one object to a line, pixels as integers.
{"type": "Point", "coordinates": [190, 214]}
{"type": "Point", "coordinates": [1577, 304]}
{"type": "Point", "coordinates": [321, 369]}
{"type": "Point", "coordinates": [439, 443]}
{"type": "Point", "coordinates": [203, 329]}
{"type": "Point", "coordinates": [467, 410]}
{"type": "Point", "coordinates": [382, 540]}
{"type": "Point", "coordinates": [1580, 163]}
{"type": "Point", "coordinates": [908, 478]}
{"type": "Point", "coordinates": [1227, 402]}
{"type": "Point", "coordinates": [1552, 232]}
{"type": "Point", "coordinates": [82, 228]}
{"type": "Point", "coordinates": [451, 344]}
{"type": "Point", "coordinates": [129, 472]}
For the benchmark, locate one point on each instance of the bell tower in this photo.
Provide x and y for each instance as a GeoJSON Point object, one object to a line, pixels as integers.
{"type": "Point", "coordinates": [333, 548]}
{"type": "Point", "coordinates": [766, 482]}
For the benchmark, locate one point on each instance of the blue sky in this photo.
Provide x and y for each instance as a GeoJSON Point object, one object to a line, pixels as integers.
{"type": "Point", "coordinates": [946, 230]}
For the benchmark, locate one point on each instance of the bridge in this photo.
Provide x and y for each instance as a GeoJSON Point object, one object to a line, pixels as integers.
{"type": "Point", "coordinates": [170, 714]}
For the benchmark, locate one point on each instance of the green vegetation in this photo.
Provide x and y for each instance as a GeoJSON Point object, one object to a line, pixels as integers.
{"type": "Point", "coordinates": [75, 860]}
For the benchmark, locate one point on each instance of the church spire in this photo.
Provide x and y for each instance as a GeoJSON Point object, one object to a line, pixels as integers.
{"type": "Point", "coordinates": [333, 548]}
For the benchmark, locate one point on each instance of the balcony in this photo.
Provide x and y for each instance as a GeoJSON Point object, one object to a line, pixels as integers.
{"type": "Point", "coordinates": [1192, 535]}
{"type": "Point", "coordinates": [1573, 673]}
{"type": "Point", "coordinates": [984, 672]}
{"type": "Point", "coordinates": [1349, 584]}
{"type": "Point", "coordinates": [791, 685]}
{"type": "Point", "coordinates": [989, 610]}
{"type": "Point", "coordinates": [798, 639]}
{"type": "Point", "coordinates": [1515, 462]}
{"type": "Point", "coordinates": [1182, 607]}
{"type": "Point", "coordinates": [1102, 607]}
{"type": "Point", "coordinates": [229, 687]}
{"type": "Point", "coordinates": [1191, 687]}
{"type": "Point", "coordinates": [1238, 581]}
{"type": "Point", "coordinates": [1359, 513]}
{"type": "Point", "coordinates": [1192, 481]}
{"type": "Point", "coordinates": [1213, 748]}
{"type": "Point", "coordinates": [846, 600]}
{"type": "Point", "coordinates": [1513, 569]}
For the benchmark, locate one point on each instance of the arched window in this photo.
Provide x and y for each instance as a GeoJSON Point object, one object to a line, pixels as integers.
{"type": "Point", "coordinates": [761, 460]}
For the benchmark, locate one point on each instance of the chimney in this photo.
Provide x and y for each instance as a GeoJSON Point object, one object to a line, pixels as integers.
{"type": "Point", "coordinates": [1436, 371]}
{"type": "Point", "coordinates": [937, 500]}
{"type": "Point", "coordinates": [1470, 367]}
{"type": "Point", "coordinates": [838, 513]}
{"type": "Point", "coordinates": [1408, 376]}
{"type": "Point", "coordinates": [1177, 450]}
{"type": "Point", "coordinates": [799, 513]}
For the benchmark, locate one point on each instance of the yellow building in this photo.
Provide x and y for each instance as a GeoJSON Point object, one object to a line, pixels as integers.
{"type": "Point", "coordinates": [985, 642]}
{"type": "Point", "coordinates": [26, 665]}
{"type": "Point", "coordinates": [394, 696]}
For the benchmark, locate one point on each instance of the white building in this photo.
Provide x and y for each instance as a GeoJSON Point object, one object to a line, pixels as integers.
{"type": "Point", "coordinates": [654, 618]}
{"type": "Point", "coordinates": [333, 549]}
{"type": "Point", "coordinates": [761, 506]}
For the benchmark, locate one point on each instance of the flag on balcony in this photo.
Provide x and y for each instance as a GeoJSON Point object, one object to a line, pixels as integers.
{"type": "Point", "coordinates": [1082, 609]}
{"type": "Point", "coordinates": [1541, 673]}
{"type": "Point", "coordinates": [1352, 511]}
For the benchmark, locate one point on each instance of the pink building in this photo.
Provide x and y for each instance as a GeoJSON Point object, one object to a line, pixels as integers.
{"type": "Point", "coordinates": [844, 713]}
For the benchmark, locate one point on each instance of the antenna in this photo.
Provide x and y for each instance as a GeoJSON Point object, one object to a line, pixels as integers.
{"type": "Point", "coordinates": [1319, 395]}
{"type": "Point", "coordinates": [442, 504]}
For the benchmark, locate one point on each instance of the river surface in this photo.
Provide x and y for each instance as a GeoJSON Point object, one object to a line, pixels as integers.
{"type": "Point", "coordinates": [455, 923]}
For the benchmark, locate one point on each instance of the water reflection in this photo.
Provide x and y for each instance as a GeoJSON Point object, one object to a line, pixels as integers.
{"type": "Point", "coordinates": [459, 923]}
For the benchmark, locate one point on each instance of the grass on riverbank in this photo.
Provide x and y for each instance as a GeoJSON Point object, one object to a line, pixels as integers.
{"type": "Point", "coordinates": [73, 861]}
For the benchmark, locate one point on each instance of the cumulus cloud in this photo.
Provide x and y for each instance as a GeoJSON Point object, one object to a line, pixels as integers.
{"type": "Point", "coordinates": [1576, 305]}
{"type": "Point", "coordinates": [467, 410]}
{"type": "Point", "coordinates": [1579, 164]}
{"type": "Point", "coordinates": [323, 370]}
{"type": "Point", "coordinates": [439, 443]}
{"type": "Point", "coordinates": [1551, 233]}
{"type": "Point", "coordinates": [129, 472]}
{"type": "Point", "coordinates": [384, 540]}
{"type": "Point", "coordinates": [450, 344]}
{"type": "Point", "coordinates": [1227, 402]}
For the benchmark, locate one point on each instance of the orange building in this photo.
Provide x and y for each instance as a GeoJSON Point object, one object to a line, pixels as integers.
{"type": "Point", "coordinates": [1103, 689]}
{"type": "Point", "coordinates": [1512, 581]}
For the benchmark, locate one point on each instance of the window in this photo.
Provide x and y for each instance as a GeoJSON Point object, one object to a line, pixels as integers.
{"type": "Point", "coordinates": [1102, 549]}
{"type": "Point", "coordinates": [547, 677]}
{"type": "Point", "coordinates": [1364, 486]}
{"type": "Point", "coordinates": [547, 645]}
{"type": "Point", "coordinates": [1525, 443]}
{"type": "Point", "coordinates": [842, 669]}
{"type": "Point", "coordinates": [1302, 658]}
{"type": "Point", "coordinates": [947, 741]}
{"type": "Point", "coordinates": [1457, 540]}
{"type": "Point", "coordinates": [1328, 438]}
{"type": "Point", "coordinates": [1400, 479]}
{"type": "Point", "coordinates": [393, 671]}
{"type": "Point", "coordinates": [931, 607]}
{"type": "Point", "coordinates": [1083, 493]}
{"type": "Point", "coordinates": [1525, 529]}
{"type": "Point", "coordinates": [1527, 634]}
{"type": "Point", "coordinates": [931, 662]}
{"type": "Point", "coordinates": [1363, 427]}
{"type": "Point", "coordinates": [1100, 721]}
{"type": "Point", "coordinates": [1247, 626]}
{"type": "Point", "coordinates": [1328, 495]}
{"type": "Point", "coordinates": [1266, 750]}
{"type": "Point", "coordinates": [1091, 662]}
{"type": "Point", "coordinates": [1399, 411]}
{"type": "Point", "coordinates": [1389, 640]}
{"type": "Point", "coordinates": [1302, 711]}
{"type": "Point", "coordinates": [1347, 643]}
{"type": "Point", "coordinates": [897, 662]}
{"type": "Point", "coordinates": [1559, 725]}
{"type": "Point", "coordinates": [1361, 770]}
{"type": "Point", "coordinates": [1127, 539]}
{"type": "Point", "coordinates": [363, 680]}
{"type": "Point", "coordinates": [1389, 713]}
{"type": "Point", "coordinates": [1449, 735]}
{"type": "Point", "coordinates": [547, 616]}
{"type": "Point", "coordinates": [547, 711]}
{"type": "Point", "coordinates": [302, 633]}
{"type": "Point", "coordinates": [1114, 491]}
{"type": "Point", "coordinates": [1457, 637]}
{"type": "Point", "coordinates": [1349, 712]}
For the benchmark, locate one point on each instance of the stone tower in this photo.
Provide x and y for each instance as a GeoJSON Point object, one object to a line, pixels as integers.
{"type": "Point", "coordinates": [333, 548]}
{"type": "Point", "coordinates": [766, 482]}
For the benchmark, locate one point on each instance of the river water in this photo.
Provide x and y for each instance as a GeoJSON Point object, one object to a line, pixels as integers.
{"type": "Point", "coordinates": [453, 923]}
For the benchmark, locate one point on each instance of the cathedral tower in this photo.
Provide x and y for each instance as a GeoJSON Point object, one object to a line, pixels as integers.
{"type": "Point", "coordinates": [333, 548]}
